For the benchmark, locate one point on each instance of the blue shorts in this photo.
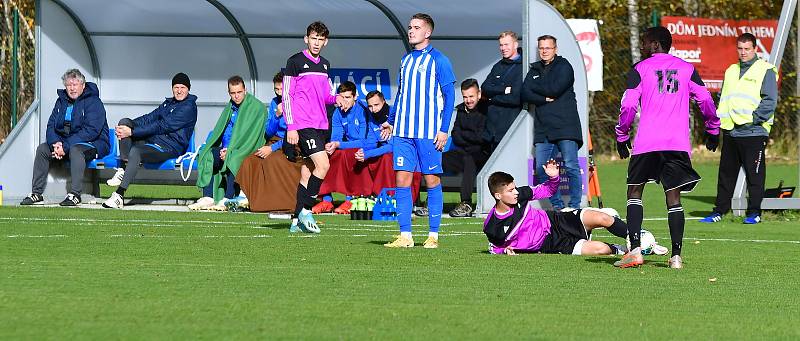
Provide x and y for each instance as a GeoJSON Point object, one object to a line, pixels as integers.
{"type": "Point", "coordinates": [413, 155]}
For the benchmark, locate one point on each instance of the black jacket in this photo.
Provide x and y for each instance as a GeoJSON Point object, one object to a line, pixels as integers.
{"type": "Point", "coordinates": [556, 120]}
{"type": "Point", "coordinates": [469, 128]}
{"type": "Point", "coordinates": [503, 108]}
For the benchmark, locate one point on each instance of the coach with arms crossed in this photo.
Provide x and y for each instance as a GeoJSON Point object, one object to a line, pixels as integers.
{"type": "Point", "coordinates": [502, 89]}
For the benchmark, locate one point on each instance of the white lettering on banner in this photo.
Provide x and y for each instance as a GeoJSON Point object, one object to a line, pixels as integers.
{"type": "Point", "coordinates": [691, 56]}
{"type": "Point", "coordinates": [365, 80]}
{"type": "Point", "coordinates": [713, 31]}
{"type": "Point", "coordinates": [681, 29]}
{"type": "Point", "coordinates": [759, 31]}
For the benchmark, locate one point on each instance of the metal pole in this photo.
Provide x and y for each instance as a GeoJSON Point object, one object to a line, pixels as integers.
{"type": "Point", "coordinates": [14, 69]}
{"type": "Point", "coordinates": [655, 18]}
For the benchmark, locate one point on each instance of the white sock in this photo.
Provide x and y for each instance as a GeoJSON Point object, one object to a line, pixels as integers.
{"type": "Point", "coordinates": [405, 235]}
{"type": "Point", "coordinates": [435, 235]}
{"type": "Point", "coordinates": [294, 221]}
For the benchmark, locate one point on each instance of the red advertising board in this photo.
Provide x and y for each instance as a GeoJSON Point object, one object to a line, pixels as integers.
{"type": "Point", "coordinates": [710, 44]}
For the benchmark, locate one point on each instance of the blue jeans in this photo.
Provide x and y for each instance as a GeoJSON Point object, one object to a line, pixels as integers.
{"type": "Point", "coordinates": [569, 152]}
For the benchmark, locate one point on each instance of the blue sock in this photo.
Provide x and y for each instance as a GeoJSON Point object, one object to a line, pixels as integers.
{"type": "Point", "coordinates": [327, 198]}
{"type": "Point", "coordinates": [435, 203]}
{"type": "Point", "coordinates": [348, 197]}
{"type": "Point", "coordinates": [404, 207]}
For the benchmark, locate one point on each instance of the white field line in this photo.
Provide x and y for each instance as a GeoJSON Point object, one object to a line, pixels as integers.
{"type": "Point", "coordinates": [165, 236]}
{"type": "Point", "coordinates": [380, 228]}
{"type": "Point", "coordinates": [215, 222]}
{"type": "Point", "coordinates": [131, 220]}
{"type": "Point", "coordinates": [420, 235]}
{"type": "Point", "coordinates": [666, 242]}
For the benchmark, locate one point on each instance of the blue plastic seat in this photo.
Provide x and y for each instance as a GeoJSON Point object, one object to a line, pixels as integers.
{"type": "Point", "coordinates": [110, 160]}
{"type": "Point", "coordinates": [171, 164]}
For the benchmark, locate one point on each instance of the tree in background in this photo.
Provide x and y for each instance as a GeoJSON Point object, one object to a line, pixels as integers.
{"type": "Point", "coordinates": [26, 55]}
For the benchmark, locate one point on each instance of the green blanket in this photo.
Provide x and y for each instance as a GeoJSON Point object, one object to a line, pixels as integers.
{"type": "Point", "coordinates": [247, 137]}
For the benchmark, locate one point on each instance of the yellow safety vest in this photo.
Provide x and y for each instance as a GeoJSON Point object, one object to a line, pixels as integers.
{"type": "Point", "coordinates": [740, 96]}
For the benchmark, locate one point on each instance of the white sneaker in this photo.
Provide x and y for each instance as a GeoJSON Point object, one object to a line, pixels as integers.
{"type": "Point", "coordinates": [203, 203]}
{"type": "Point", "coordinates": [115, 201]}
{"type": "Point", "coordinates": [116, 180]}
{"type": "Point", "coordinates": [220, 206]}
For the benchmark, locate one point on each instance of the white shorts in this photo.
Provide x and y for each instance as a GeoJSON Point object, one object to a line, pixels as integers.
{"type": "Point", "coordinates": [576, 250]}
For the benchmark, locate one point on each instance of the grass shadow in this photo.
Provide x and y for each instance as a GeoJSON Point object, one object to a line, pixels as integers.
{"type": "Point", "coordinates": [275, 226]}
{"type": "Point", "coordinates": [606, 260]}
{"type": "Point", "coordinates": [702, 214]}
{"type": "Point", "coordinates": [706, 199]}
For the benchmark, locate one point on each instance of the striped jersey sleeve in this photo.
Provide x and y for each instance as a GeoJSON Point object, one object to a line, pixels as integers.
{"type": "Point", "coordinates": [420, 104]}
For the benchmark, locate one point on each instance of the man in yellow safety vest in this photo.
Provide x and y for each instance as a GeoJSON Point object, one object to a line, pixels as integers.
{"type": "Point", "coordinates": [746, 111]}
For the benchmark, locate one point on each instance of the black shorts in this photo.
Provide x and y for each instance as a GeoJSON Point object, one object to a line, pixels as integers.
{"type": "Point", "coordinates": [566, 229]}
{"type": "Point", "coordinates": [311, 141]}
{"type": "Point", "coordinates": [672, 169]}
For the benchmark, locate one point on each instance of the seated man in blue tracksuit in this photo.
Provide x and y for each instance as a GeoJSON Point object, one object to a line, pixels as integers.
{"type": "Point", "coordinates": [376, 153]}
{"type": "Point", "coordinates": [348, 128]}
{"type": "Point", "coordinates": [76, 131]}
{"type": "Point", "coordinates": [275, 126]}
{"type": "Point", "coordinates": [163, 134]}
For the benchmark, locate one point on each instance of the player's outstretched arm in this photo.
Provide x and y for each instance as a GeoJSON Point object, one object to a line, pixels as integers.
{"type": "Point", "coordinates": [546, 189]}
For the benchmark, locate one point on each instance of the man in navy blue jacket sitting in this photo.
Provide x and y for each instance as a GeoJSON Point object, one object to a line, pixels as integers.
{"type": "Point", "coordinates": [76, 131]}
{"type": "Point", "coordinates": [163, 134]}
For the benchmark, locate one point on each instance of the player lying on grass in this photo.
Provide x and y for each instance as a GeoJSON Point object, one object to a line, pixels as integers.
{"type": "Point", "coordinates": [513, 226]}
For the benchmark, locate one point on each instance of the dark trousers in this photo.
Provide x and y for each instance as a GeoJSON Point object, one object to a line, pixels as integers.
{"type": "Point", "coordinates": [748, 153]}
{"type": "Point", "coordinates": [134, 152]}
{"type": "Point", "coordinates": [466, 163]}
{"type": "Point", "coordinates": [228, 180]}
{"type": "Point", "coordinates": [78, 156]}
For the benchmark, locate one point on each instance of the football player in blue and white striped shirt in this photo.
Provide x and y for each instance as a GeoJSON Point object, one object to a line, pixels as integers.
{"type": "Point", "coordinates": [419, 123]}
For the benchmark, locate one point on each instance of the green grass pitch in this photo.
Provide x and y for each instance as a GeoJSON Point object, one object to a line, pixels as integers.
{"type": "Point", "coordinates": [89, 274]}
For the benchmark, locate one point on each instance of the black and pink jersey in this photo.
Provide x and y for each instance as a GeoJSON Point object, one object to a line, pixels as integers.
{"type": "Point", "coordinates": [306, 91]}
{"type": "Point", "coordinates": [661, 87]}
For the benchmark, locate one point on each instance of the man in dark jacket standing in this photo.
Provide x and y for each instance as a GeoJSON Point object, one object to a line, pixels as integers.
{"type": "Point", "coordinates": [472, 150]}
{"type": "Point", "coordinates": [163, 134]}
{"type": "Point", "coordinates": [76, 131]}
{"type": "Point", "coordinates": [557, 126]}
{"type": "Point", "coordinates": [502, 89]}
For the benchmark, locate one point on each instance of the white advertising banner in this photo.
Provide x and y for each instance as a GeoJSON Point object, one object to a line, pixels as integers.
{"type": "Point", "coordinates": [588, 37]}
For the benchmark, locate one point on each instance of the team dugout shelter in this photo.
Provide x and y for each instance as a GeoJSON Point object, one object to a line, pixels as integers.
{"type": "Point", "coordinates": [132, 48]}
